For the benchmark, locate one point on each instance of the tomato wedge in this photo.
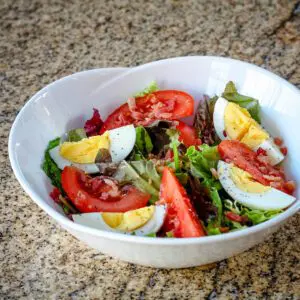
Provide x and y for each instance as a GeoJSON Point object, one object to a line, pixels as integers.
{"type": "Point", "coordinates": [188, 135]}
{"type": "Point", "coordinates": [248, 160]}
{"type": "Point", "coordinates": [100, 194]}
{"type": "Point", "coordinates": [160, 105]}
{"type": "Point", "coordinates": [181, 216]}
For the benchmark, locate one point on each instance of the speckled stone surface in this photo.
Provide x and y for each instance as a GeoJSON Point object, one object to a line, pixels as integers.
{"type": "Point", "coordinates": [41, 41]}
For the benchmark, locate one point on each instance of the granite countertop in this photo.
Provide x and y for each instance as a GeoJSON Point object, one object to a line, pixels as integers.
{"type": "Point", "coordinates": [42, 41]}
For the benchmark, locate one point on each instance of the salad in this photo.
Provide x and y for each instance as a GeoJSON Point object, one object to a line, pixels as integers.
{"type": "Point", "coordinates": [144, 171]}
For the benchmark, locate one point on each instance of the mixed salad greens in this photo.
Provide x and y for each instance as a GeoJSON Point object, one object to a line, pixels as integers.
{"type": "Point", "coordinates": [145, 172]}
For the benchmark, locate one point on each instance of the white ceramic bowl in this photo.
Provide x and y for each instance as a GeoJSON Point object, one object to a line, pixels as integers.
{"type": "Point", "coordinates": [66, 103]}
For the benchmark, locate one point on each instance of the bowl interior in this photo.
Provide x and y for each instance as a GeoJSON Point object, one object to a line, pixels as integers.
{"type": "Point", "coordinates": [67, 103]}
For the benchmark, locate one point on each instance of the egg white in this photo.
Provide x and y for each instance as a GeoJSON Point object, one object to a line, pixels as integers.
{"type": "Point", "coordinates": [122, 141]}
{"type": "Point", "coordinates": [218, 117]}
{"type": "Point", "coordinates": [96, 221]}
{"type": "Point", "coordinates": [270, 200]}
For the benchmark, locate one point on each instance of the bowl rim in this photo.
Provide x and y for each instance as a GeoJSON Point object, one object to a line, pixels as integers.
{"type": "Point", "coordinates": [68, 224]}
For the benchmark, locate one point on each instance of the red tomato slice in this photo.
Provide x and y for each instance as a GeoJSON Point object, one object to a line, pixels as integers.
{"type": "Point", "coordinates": [188, 135]}
{"type": "Point", "coordinates": [248, 160]}
{"type": "Point", "coordinates": [100, 194]}
{"type": "Point", "coordinates": [181, 216]}
{"type": "Point", "coordinates": [160, 105]}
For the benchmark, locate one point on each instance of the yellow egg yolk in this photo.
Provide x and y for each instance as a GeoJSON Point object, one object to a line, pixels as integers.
{"type": "Point", "coordinates": [244, 181]}
{"type": "Point", "coordinates": [240, 126]}
{"type": "Point", "coordinates": [254, 136]}
{"type": "Point", "coordinates": [86, 150]}
{"type": "Point", "coordinates": [237, 121]}
{"type": "Point", "coordinates": [129, 220]}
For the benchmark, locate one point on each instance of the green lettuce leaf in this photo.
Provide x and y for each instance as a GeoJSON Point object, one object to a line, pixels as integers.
{"type": "Point", "coordinates": [259, 216]}
{"type": "Point", "coordinates": [178, 161]}
{"type": "Point", "coordinates": [143, 144]}
{"type": "Point", "coordinates": [142, 174]}
{"type": "Point", "coordinates": [211, 228]}
{"type": "Point", "coordinates": [182, 176]}
{"type": "Point", "coordinates": [174, 144]}
{"type": "Point", "coordinates": [76, 135]}
{"type": "Point", "coordinates": [152, 87]}
{"type": "Point", "coordinates": [201, 163]}
{"type": "Point", "coordinates": [143, 140]}
{"type": "Point", "coordinates": [153, 234]}
{"type": "Point", "coordinates": [170, 234]}
{"type": "Point", "coordinates": [232, 206]}
{"type": "Point", "coordinates": [147, 170]}
{"type": "Point", "coordinates": [49, 166]}
{"type": "Point", "coordinates": [251, 104]}
{"type": "Point", "coordinates": [256, 216]}
{"type": "Point", "coordinates": [217, 202]}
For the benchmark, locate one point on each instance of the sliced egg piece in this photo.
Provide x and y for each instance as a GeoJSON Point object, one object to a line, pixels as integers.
{"type": "Point", "coordinates": [122, 141]}
{"type": "Point", "coordinates": [235, 123]}
{"type": "Point", "coordinates": [242, 188]}
{"type": "Point", "coordinates": [142, 221]}
{"type": "Point", "coordinates": [119, 142]}
{"type": "Point", "coordinates": [62, 162]}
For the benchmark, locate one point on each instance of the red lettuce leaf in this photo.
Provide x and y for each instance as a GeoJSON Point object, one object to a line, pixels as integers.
{"type": "Point", "coordinates": [93, 125]}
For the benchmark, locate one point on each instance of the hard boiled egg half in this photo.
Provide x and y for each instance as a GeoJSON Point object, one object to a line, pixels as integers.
{"type": "Point", "coordinates": [235, 123]}
{"type": "Point", "coordinates": [240, 185]}
{"type": "Point", "coordinates": [142, 221]}
{"type": "Point", "coordinates": [82, 154]}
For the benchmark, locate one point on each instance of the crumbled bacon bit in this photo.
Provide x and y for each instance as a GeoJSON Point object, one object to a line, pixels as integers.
{"type": "Point", "coordinates": [104, 196]}
{"type": "Point", "coordinates": [261, 151]}
{"type": "Point", "coordinates": [160, 105]}
{"type": "Point", "coordinates": [93, 125]}
{"type": "Point", "coordinates": [280, 169]}
{"type": "Point", "coordinates": [278, 141]}
{"type": "Point", "coordinates": [114, 191]}
{"type": "Point", "coordinates": [276, 185]}
{"type": "Point", "coordinates": [153, 98]}
{"type": "Point", "coordinates": [224, 133]}
{"type": "Point", "coordinates": [156, 110]}
{"type": "Point", "coordinates": [165, 115]}
{"type": "Point", "coordinates": [131, 103]}
{"type": "Point", "coordinates": [263, 159]}
{"type": "Point", "coordinates": [290, 186]}
{"type": "Point", "coordinates": [262, 169]}
{"type": "Point", "coordinates": [284, 150]}
{"type": "Point", "coordinates": [272, 178]}
{"type": "Point", "coordinates": [137, 115]}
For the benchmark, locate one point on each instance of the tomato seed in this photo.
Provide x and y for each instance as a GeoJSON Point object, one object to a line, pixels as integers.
{"type": "Point", "coordinates": [261, 151]}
